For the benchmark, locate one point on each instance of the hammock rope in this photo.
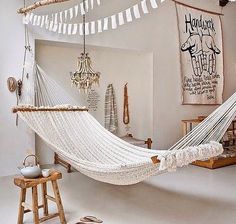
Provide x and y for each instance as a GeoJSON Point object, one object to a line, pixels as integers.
{"type": "Point", "coordinates": [80, 139]}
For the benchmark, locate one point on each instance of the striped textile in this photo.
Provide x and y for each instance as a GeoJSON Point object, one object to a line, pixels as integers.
{"type": "Point", "coordinates": [111, 119]}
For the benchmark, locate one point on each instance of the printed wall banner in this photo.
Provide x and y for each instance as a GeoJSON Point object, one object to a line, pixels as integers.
{"type": "Point", "coordinates": [201, 55]}
{"type": "Point", "coordinates": [93, 100]}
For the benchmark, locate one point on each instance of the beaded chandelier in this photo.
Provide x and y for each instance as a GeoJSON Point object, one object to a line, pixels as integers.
{"type": "Point", "coordinates": [84, 77]}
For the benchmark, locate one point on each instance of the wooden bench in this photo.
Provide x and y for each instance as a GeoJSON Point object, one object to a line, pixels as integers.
{"type": "Point", "coordinates": [24, 207]}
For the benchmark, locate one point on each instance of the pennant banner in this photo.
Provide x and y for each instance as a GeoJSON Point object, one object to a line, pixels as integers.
{"type": "Point", "coordinates": [58, 22]}
{"type": "Point", "coordinates": [63, 16]}
{"type": "Point", "coordinates": [201, 52]}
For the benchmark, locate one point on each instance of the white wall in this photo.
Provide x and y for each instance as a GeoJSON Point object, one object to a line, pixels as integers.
{"type": "Point", "coordinates": [15, 142]}
{"type": "Point", "coordinates": [116, 67]}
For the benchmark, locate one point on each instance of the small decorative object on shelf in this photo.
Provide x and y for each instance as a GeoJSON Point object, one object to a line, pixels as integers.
{"type": "Point", "coordinates": [46, 172]}
{"type": "Point", "coordinates": [228, 142]}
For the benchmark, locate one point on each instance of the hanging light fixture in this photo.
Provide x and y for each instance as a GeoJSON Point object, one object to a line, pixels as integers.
{"type": "Point", "coordinates": [84, 77]}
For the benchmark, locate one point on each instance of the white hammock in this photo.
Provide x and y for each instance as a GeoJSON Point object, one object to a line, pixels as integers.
{"type": "Point", "coordinates": [84, 143]}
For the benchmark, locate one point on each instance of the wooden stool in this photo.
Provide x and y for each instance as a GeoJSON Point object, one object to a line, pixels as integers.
{"type": "Point", "coordinates": [24, 207]}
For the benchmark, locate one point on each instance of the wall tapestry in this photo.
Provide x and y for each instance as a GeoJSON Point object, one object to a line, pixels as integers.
{"type": "Point", "coordinates": [201, 55]}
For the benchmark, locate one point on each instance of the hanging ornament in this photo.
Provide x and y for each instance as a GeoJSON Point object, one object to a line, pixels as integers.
{"type": "Point", "coordinates": [85, 77]}
{"type": "Point", "coordinates": [11, 84]}
{"type": "Point", "coordinates": [126, 118]}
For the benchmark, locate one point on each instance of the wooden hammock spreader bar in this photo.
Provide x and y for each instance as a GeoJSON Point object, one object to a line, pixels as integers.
{"type": "Point", "coordinates": [155, 160]}
{"type": "Point", "coordinates": [39, 4]}
{"type": "Point", "coordinates": [15, 110]}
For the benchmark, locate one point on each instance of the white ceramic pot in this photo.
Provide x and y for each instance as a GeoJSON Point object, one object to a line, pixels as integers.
{"type": "Point", "coordinates": [32, 171]}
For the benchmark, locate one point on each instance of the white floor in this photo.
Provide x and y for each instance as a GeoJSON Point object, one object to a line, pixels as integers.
{"type": "Point", "coordinates": [190, 196]}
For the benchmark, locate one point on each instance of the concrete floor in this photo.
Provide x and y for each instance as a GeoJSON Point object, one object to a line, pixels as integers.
{"type": "Point", "coordinates": [190, 196]}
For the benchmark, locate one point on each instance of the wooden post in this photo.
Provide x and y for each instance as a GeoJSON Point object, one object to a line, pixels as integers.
{"type": "Point", "coordinates": [21, 207]}
{"type": "Point", "coordinates": [35, 204]}
{"type": "Point", "coordinates": [45, 201]}
{"type": "Point", "coordinates": [58, 202]}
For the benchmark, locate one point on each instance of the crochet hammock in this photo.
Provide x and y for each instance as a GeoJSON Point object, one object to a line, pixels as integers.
{"type": "Point", "coordinates": [79, 138]}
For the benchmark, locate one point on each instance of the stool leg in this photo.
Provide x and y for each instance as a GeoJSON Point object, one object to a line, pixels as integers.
{"type": "Point", "coordinates": [58, 201]}
{"type": "Point", "coordinates": [45, 201]}
{"type": "Point", "coordinates": [21, 208]}
{"type": "Point", "coordinates": [35, 204]}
